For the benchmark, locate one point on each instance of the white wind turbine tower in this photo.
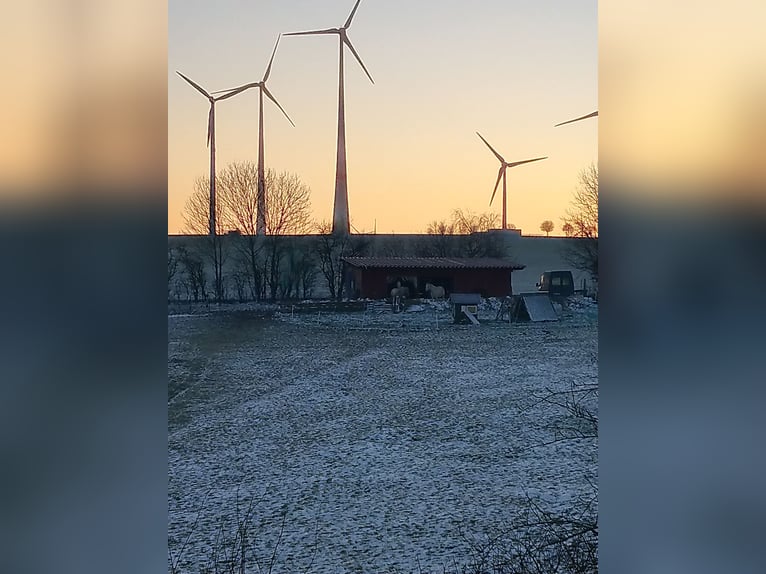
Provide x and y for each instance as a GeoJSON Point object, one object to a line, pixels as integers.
{"type": "Point", "coordinates": [211, 145]}
{"type": "Point", "coordinates": [585, 117]}
{"type": "Point", "coordinates": [340, 219]}
{"type": "Point", "coordinates": [504, 165]}
{"type": "Point", "coordinates": [260, 224]}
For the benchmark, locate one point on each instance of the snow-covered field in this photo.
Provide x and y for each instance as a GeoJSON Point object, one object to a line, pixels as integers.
{"type": "Point", "coordinates": [373, 442]}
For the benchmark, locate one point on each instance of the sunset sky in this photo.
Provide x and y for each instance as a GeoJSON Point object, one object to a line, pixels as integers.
{"type": "Point", "coordinates": [443, 69]}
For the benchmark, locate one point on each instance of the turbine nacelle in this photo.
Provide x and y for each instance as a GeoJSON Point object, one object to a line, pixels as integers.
{"type": "Point", "coordinates": [234, 91]}
{"type": "Point", "coordinates": [504, 165]}
{"type": "Point", "coordinates": [260, 85]}
{"type": "Point", "coordinates": [344, 39]}
{"type": "Point", "coordinates": [211, 99]}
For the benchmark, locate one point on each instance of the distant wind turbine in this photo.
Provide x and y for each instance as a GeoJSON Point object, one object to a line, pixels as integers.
{"type": "Point", "coordinates": [504, 165]}
{"type": "Point", "coordinates": [260, 224]}
{"type": "Point", "coordinates": [211, 145]}
{"type": "Point", "coordinates": [591, 115]}
{"type": "Point", "coordinates": [340, 219]}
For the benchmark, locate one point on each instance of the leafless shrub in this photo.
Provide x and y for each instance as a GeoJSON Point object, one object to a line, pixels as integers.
{"type": "Point", "coordinates": [172, 269]}
{"type": "Point", "coordinates": [175, 558]}
{"type": "Point", "coordinates": [234, 548]}
{"type": "Point", "coordinates": [193, 275]}
{"type": "Point", "coordinates": [539, 540]}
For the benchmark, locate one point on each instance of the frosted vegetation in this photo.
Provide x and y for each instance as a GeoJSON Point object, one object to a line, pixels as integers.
{"type": "Point", "coordinates": [381, 442]}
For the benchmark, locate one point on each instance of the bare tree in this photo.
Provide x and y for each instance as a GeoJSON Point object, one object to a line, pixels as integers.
{"type": "Point", "coordinates": [465, 234]}
{"type": "Point", "coordinates": [297, 277]}
{"type": "Point", "coordinates": [583, 218]}
{"type": "Point", "coordinates": [330, 248]}
{"type": "Point", "coordinates": [475, 228]}
{"type": "Point", "coordinates": [303, 267]}
{"type": "Point", "coordinates": [288, 212]}
{"type": "Point", "coordinates": [237, 187]}
{"type": "Point", "coordinates": [440, 241]}
{"type": "Point", "coordinates": [466, 222]}
{"type": "Point", "coordinates": [568, 229]}
{"type": "Point", "coordinates": [441, 228]}
{"type": "Point", "coordinates": [196, 218]}
{"type": "Point", "coordinates": [546, 226]}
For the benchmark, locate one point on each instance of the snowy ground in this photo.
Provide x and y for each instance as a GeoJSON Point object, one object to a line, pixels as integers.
{"type": "Point", "coordinates": [380, 441]}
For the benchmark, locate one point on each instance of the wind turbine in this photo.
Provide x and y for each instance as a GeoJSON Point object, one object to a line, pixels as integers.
{"type": "Point", "coordinates": [260, 224]}
{"type": "Point", "coordinates": [591, 115]}
{"type": "Point", "coordinates": [504, 165]}
{"type": "Point", "coordinates": [340, 219]}
{"type": "Point", "coordinates": [210, 144]}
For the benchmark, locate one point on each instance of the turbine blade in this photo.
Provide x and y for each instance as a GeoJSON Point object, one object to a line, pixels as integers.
{"type": "Point", "coordinates": [313, 32]}
{"type": "Point", "coordinates": [590, 115]}
{"type": "Point", "coordinates": [358, 59]}
{"type": "Point", "coordinates": [497, 155]}
{"type": "Point", "coordinates": [274, 53]}
{"type": "Point", "coordinates": [197, 86]}
{"type": "Point", "coordinates": [351, 16]}
{"type": "Point", "coordinates": [273, 99]}
{"type": "Point", "coordinates": [515, 163]}
{"type": "Point", "coordinates": [233, 91]}
{"type": "Point", "coordinates": [210, 123]}
{"type": "Point", "coordinates": [499, 177]}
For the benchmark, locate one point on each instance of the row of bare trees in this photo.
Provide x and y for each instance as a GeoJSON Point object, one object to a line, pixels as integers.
{"type": "Point", "coordinates": [251, 268]}
{"type": "Point", "coordinates": [284, 263]}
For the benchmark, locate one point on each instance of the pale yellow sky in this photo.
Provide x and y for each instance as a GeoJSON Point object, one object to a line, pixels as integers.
{"type": "Point", "coordinates": [442, 70]}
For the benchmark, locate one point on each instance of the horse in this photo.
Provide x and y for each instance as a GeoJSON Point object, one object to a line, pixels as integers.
{"type": "Point", "coordinates": [399, 295]}
{"type": "Point", "coordinates": [401, 292]}
{"type": "Point", "coordinates": [435, 291]}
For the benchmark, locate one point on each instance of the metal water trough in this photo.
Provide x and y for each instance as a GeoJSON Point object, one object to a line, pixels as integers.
{"type": "Point", "coordinates": [465, 307]}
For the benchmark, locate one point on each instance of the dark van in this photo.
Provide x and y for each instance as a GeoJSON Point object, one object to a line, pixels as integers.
{"type": "Point", "coordinates": [557, 283]}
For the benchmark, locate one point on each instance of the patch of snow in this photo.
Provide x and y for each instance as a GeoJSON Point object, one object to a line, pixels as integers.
{"type": "Point", "coordinates": [382, 437]}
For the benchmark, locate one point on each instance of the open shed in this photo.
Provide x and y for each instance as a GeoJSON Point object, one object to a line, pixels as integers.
{"type": "Point", "coordinates": [374, 277]}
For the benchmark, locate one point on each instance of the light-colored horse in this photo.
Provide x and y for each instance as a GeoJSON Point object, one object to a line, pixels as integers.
{"type": "Point", "coordinates": [435, 291]}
